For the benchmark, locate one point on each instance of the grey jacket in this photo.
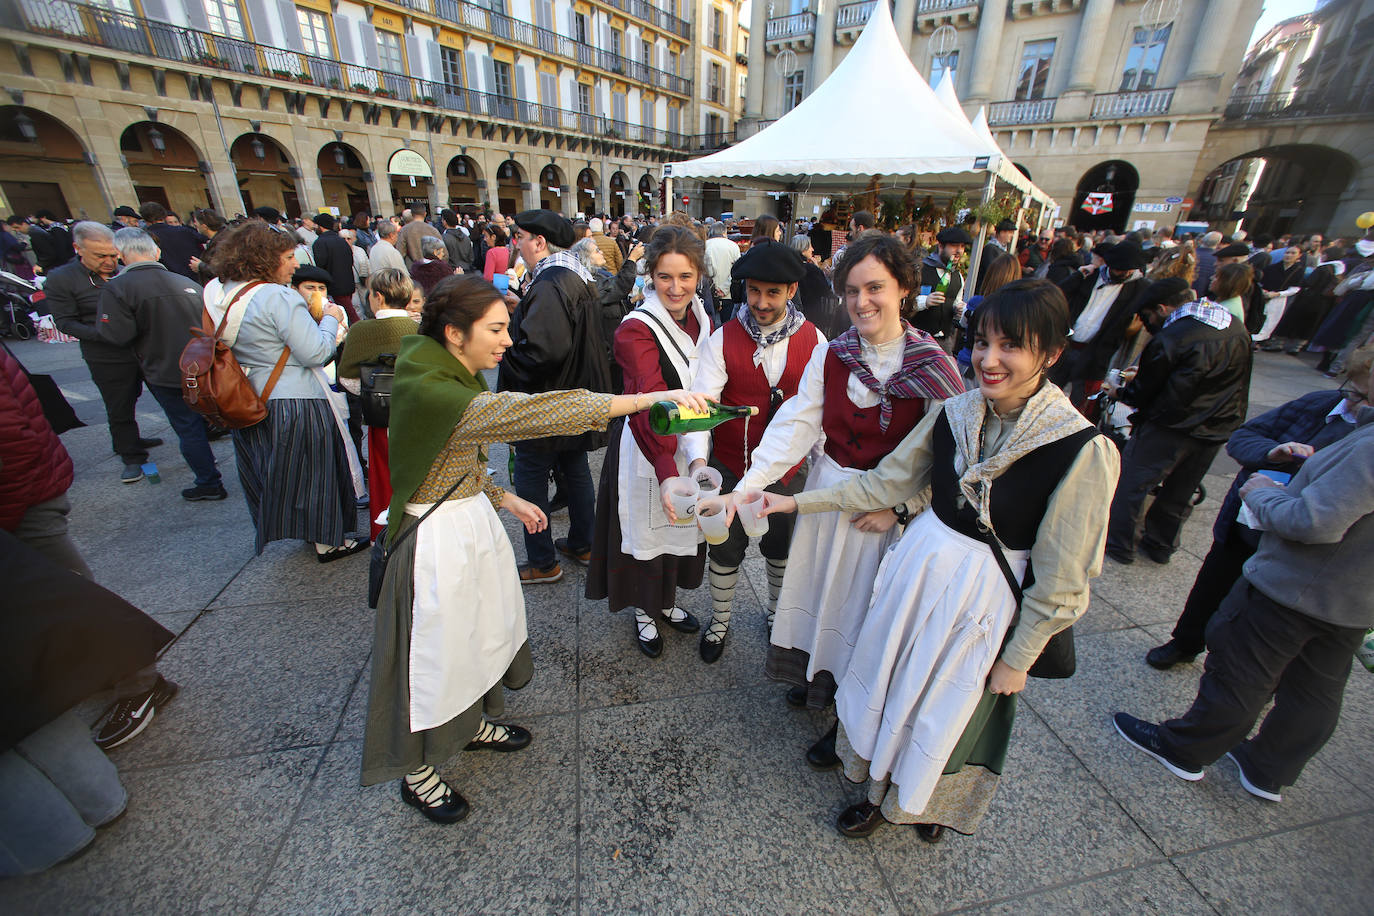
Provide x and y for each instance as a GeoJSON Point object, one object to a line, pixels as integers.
{"type": "Point", "coordinates": [277, 316]}
{"type": "Point", "coordinates": [151, 310]}
{"type": "Point", "coordinates": [1314, 556]}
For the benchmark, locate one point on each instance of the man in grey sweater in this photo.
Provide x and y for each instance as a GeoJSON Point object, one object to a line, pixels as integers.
{"type": "Point", "coordinates": [1288, 630]}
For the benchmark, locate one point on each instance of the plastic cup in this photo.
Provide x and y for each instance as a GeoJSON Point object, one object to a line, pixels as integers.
{"type": "Point", "coordinates": [708, 482]}
{"type": "Point", "coordinates": [926, 290]}
{"type": "Point", "coordinates": [682, 493]}
{"type": "Point", "coordinates": [711, 518]}
{"type": "Point", "coordinates": [748, 506]}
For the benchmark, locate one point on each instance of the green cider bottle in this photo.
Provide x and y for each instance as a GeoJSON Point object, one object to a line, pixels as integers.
{"type": "Point", "coordinates": [667, 418]}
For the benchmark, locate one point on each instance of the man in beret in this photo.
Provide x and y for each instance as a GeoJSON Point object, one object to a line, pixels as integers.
{"type": "Point", "coordinates": [755, 359]}
{"type": "Point", "coordinates": [940, 301]}
{"type": "Point", "coordinates": [557, 343]}
{"type": "Point", "coordinates": [1191, 392]}
{"type": "Point", "coordinates": [1101, 305]}
{"type": "Point", "coordinates": [335, 256]}
{"type": "Point", "coordinates": [1000, 242]}
{"type": "Point", "coordinates": [124, 216]}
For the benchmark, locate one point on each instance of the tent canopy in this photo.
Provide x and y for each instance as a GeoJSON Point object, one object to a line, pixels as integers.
{"type": "Point", "coordinates": [874, 115]}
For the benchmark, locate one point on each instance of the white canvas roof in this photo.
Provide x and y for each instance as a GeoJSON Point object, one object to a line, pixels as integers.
{"type": "Point", "coordinates": [874, 115]}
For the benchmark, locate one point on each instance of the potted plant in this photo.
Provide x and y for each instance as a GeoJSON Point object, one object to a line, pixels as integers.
{"type": "Point", "coordinates": [361, 87]}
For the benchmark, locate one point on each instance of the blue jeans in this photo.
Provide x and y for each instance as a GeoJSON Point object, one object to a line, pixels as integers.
{"type": "Point", "coordinates": [191, 434]}
{"type": "Point", "coordinates": [532, 467]}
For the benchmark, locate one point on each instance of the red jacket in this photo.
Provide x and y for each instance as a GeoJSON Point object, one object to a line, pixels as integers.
{"type": "Point", "coordinates": [34, 467]}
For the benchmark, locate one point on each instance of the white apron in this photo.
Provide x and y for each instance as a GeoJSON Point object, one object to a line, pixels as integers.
{"type": "Point", "coordinates": [1273, 314]}
{"type": "Point", "coordinates": [645, 532]}
{"type": "Point", "coordinates": [941, 608]}
{"type": "Point", "coordinates": [827, 588]}
{"type": "Point", "coordinates": [468, 616]}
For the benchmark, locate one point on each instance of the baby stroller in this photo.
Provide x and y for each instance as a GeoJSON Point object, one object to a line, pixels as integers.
{"type": "Point", "coordinates": [15, 302]}
{"type": "Point", "coordinates": [1113, 422]}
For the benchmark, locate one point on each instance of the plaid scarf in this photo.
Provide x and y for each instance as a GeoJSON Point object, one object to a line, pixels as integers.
{"type": "Point", "coordinates": [926, 370]}
{"type": "Point", "coordinates": [790, 325]}
{"type": "Point", "coordinates": [1206, 311]}
{"type": "Point", "coordinates": [561, 259]}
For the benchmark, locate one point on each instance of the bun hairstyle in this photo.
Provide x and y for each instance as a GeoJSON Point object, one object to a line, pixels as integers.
{"type": "Point", "coordinates": [675, 240]}
{"type": "Point", "coordinates": [1031, 313]}
{"type": "Point", "coordinates": [458, 301]}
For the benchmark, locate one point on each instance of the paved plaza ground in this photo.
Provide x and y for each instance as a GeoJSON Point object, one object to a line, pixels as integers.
{"type": "Point", "coordinates": [655, 786]}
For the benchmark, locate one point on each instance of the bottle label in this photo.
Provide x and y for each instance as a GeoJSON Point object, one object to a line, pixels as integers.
{"type": "Point", "coordinates": [687, 413]}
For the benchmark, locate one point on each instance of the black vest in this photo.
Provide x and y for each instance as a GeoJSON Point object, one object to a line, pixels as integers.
{"type": "Point", "coordinates": [1020, 496]}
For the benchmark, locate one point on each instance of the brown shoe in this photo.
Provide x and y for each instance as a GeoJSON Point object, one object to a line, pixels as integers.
{"type": "Point", "coordinates": [531, 575]}
{"type": "Point", "coordinates": [581, 557]}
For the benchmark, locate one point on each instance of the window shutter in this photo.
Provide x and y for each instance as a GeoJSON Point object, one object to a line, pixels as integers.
{"type": "Point", "coordinates": [195, 11]}
{"type": "Point", "coordinates": [344, 35]}
{"type": "Point", "coordinates": [474, 72]}
{"type": "Point", "coordinates": [291, 27]}
{"type": "Point", "coordinates": [368, 37]}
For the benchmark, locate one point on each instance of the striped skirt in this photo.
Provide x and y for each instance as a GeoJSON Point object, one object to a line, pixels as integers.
{"type": "Point", "coordinates": [294, 470]}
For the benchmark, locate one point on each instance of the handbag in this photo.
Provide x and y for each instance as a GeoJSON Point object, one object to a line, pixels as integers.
{"type": "Point", "coordinates": [381, 552]}
{"type": "Point", "coordinates": [213, 384]}
{"type": "Point", "coordinates": [375, 380]}
{"type": "Point", "coordinates": [1058, 659]}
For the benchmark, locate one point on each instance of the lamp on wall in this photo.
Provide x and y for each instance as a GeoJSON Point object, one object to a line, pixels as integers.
{"type": "Point", "coordinates": [339, 158]}
{"type": "Point", "coordinates": [156, 140]}
{"type": "Point", "coordinates": [25, 125]}
{"type": "Point", "coordinates": [259, 150]}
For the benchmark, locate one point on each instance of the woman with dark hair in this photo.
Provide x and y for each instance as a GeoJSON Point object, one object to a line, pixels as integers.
{"type": "Point", "coordinates": [1064, 260]}
{"type": "Point", "coordinates": [639, 559]}
{"type": "Point", "coordinates": [1018, 478]}
{"type": "Point", "coordinates": [816, 296]}
{"type": "Point", "coordinates": [1230, 286]}
{"type": "Point", "coordinates": [299, 474]}
{"type": "Point", "coordinates": [1308, 308]}
{"type": "Point", "coordinates": [1001, 270]}
{"type": "Point", "coordinates": [766, 227]}
{"type": "Point", "coordinates": [859, 397]}
{"type": "Point", "coordinates": [450, 627]}
{"type": "Point", "coordinates": [497, 257]}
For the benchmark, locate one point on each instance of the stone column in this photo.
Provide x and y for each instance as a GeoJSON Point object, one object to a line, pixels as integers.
{"type": "Point", "coordinates": [904, 19]}
{"type": "Point", "coordinates": [1209, 43]}
{"type": "Point", "coordinates": [758, 63]}
{"type": "Point", "coordinates": [823, 55]}
{"type": "Point", "coordinates": [986, 50]}
{"type": "Point", "coordinates": [1087, 50]}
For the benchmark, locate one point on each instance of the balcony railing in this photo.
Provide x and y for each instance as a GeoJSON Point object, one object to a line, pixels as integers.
{"type": "Point", "coordinates": [791, 26]}
{"type": "Point", "coordinates": [1306, 104]}
{"type": "Point", "coordinates": [642, 9]}
{"type": "Point", "coordinates": [1031, 111]}
{"type": "Point", "coordinates": [1132, 104]}
{"type": "Point", "coordinates": [853, 15]}
{"type": "Point", "coordinates": [940, 6]}
{"type": "Point", "coordinates": [129, 34]}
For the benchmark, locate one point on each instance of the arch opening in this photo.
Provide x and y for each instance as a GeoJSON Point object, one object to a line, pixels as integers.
{"type": "Point", "coordinates": [1104, 197]}
{"type": "Point", "coordinates": [165, 167]}
{"type": "Point", "coordinates": [44, 165]}
{"type": "Point", "coordinates": [267, 177]}
{"type": "Point", "coordinates": [1276, 190]}
{"type": "Point", "coordinates": [344, 179]}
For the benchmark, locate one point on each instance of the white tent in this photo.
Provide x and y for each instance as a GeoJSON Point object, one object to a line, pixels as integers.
{"type": "Point", "coordinates": [874, 115]}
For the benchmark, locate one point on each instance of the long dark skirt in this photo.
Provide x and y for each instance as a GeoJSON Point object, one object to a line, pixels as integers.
{"type": "Point", "coordinates": [294, 470]}
{"type": "Point", "coordinates": [1305, 313]}
{"type": "Point", "coordinates": [1342, 321]}
{"type": "Point", "coordinates": [650, 585]}
{"type": "Point", "coordinates": [390, 748]}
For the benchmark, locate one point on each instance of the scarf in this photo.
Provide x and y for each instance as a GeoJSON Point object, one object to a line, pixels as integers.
{"type": "Point", "coordinates": [1206, 311]}
{"type": "Point", "coordinates": [789, 325]}
{"type": "Point", "coordinates": [428, 396]}
{"type": "Point", "coordinates": [562, 259]}
{"type": "Point", "coordinates": [1047, 417]}
{"type": "Point", "coordinates": [926, 370]}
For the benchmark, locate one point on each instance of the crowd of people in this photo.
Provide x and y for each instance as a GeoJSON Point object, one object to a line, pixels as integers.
{"type": "Point", "coordinates": [931, 467]}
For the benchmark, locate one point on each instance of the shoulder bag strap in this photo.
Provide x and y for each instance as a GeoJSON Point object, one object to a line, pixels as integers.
{"type": "Point", "coordinates": [246, 288]}
{"type": "Point", "coordinates": [666, 336]}
{"type": "Point", "coordinates": [411, 530]}
{"type": "Point", "coordinates": [276, 373]}
{"type": "Point", "coordinates": [1003, 565]}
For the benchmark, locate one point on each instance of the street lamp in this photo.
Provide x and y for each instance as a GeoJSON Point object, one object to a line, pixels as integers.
{"type": "Point", "coordinates": [26, 128]}
{"type": "Point", "coordinates": [157, 141]}
{"type": "Point", "coordinates": [258, 149]}
{"type": "Point", "coordinates": [339, 158]}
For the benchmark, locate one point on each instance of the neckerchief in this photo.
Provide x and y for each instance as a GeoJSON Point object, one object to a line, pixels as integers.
{"type": "Point", "coordinates": [790, 325]}
{"type": "Point", "coordinates": [926, 370]}
{"type": "Point", "coordinates": [1047, 417]}
{"type": "Point", "coordinates": [562, 259]}
{"type": "Point", "coordinates": [1206, 311]}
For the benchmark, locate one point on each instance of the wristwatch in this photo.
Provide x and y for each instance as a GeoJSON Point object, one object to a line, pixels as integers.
{"type": "Point", "coordinates": [903, 516]}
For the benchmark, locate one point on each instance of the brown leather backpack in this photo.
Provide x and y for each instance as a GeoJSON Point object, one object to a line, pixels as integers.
{"type": "Point", "coordinates": [213, 383]}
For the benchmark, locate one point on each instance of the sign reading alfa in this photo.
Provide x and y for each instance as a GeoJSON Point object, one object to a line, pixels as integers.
{"type": "Point", "coordinates": [409, 162]}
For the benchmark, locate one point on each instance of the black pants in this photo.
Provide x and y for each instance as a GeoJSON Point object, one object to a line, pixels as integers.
{"type": "Point", "coordinates": [1171, 460]}
{"type": "Point", "coordinates": [120, 384]}
{"type": "Point", "coordinates": [1261, 649]}
{"type": "Point", "coordinates": [1219, 572]}
{"type": "Point", "coordinates": [774, 544]}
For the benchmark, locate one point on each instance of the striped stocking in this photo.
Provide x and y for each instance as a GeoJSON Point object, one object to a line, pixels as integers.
{"type": "Point", "coordinates": [723, 582]}
{"type": "Point", "coordinates": [776, 570]}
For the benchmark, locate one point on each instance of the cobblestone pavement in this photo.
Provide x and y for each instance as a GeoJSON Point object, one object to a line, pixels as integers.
{"type": "Point", "coordinates": [652, 786]}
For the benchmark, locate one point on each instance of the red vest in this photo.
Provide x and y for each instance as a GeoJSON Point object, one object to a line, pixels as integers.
{"type": "Point", "coordinates": [746, 385]}
{"type": "Point", "coordinates": [853, 437]}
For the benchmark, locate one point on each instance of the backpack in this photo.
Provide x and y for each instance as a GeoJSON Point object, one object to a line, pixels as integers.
{"type": "Point", "coordinates": [376, 378]}
{"type": "Point", "coordinates": [213, 384]}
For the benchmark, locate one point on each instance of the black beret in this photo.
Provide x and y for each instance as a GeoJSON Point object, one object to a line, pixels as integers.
{"type": "Point", "coordinates": [125, 211]}
{"type": "Point", "coordinates": [1006, 225]}
{"type": "Point", "coordinates": [269, 214]}
{"type": "Point", "coordinates": [1161, 291]}
{"type": "Point", "coordinates": [308, 272]}
{"type": "Point", "coordinates": [555, 228]}
{"type": "Point", "coordinates": [953, 235]}
{"type": "Point", "coordinates": [324, 220]}
{"type": "Point", "coordinates": [1234, 250]}
{"type": "Point", "coordinates": [1124, 256]}
{"type": "Point", "coordinates": [1101, 249]}
{"type": "Point", "coordinates": [770, 261]}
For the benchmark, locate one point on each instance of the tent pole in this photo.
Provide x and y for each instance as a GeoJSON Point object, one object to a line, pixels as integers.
{"type": "Point", "coordinates": [976, 256]}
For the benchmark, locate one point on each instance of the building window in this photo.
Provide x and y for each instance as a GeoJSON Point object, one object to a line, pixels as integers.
{"type": "Point", "coordinates": [224, 18]}
{"type": "Point", "coordinates": [315, 32]}
{"type": "Point", "coordinates": [715, 130]}
{"type": "Point", "coordinates": [615, 42]}
{"type": "Point", "coordinates": [389, 52]}
{"type": "Point", "coordinates": [940, 64]}
{"type": "Point", "coordinates": [584, 98]}
{"type": "Point", "coordinates": [793, 88]}
{"type": "Point", "coordinates": [451, 68]}
{"type": "Point", "coordinates": [646, 49]}
{"type": "Point", "coordinates": [713, 79]}
{"type": "Point", "coordinates": [580, 28]}
{"type": "Point", "coordinates": [1142, 61]}
{"type": "Point", "coordinates": [646, 113]}
{"type": "Point", "coordinates": [1035, 69]}
{"type": "Point", "coordinates": [500, 71]}
{"type": "Point", "coordinates": [744, 44]}
{"type": "Point", "coordinates": [743, 86]}
{"type": "Point", "coordinates": [715, 28]}
{"type": "Point", "coordinates": [673, 63]}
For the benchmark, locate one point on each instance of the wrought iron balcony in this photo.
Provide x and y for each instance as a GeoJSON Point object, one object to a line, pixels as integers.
{"type": "Point", "coordinates": [1030, 111]}
{"type": "Point", "coordinates": [1273, 106]}
{"type": "Point", "coordinates": [642, 9]}
{"type": "Point", "coordinates": [1132, 104]}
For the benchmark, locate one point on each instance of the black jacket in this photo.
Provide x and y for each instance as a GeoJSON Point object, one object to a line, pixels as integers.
{"type": "Point", "coordinates": [179, 245]}
{"type": "Point", "coordinates": [1089, 362]}
{"type": "Point", "coordinates": [938, 321]}
{"type": "Point", "coordinates": [1194, 379]}
{"type": "Point", "coordinates": [51, 247]}
{"type": "Point", "coordinates": [557, 343]}
{"type": "Point", "coordinates": [333, 254]}
{"type": "Point", "coordinates": [612, 294]}
{"type": "Point", "coordinates": [72, 294]}
{"type": "Point", "coordinates": [1060, 270]}
{"type": "Point", "coordinates": [151, 310]}
{"type": "Point", "coordinates": [817, 301]}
